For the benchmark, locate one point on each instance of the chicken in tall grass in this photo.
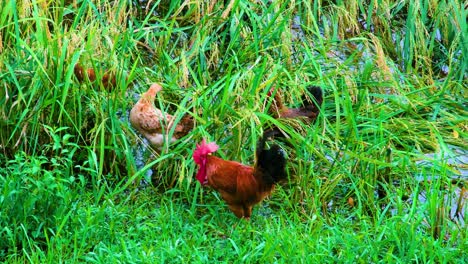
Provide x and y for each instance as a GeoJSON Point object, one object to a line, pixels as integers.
{"type": "Point", "coordinates": [154, 124]}
{"type": "Point", "coordinates": [241, 186]}
{"type": "Point", "coordinates": [108, 79]}
{"type": "Point", "coordinates": [310, 106]}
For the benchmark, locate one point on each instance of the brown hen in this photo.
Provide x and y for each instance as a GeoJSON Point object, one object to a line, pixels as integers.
{"type": "Point", "coordinates": [309, 111]}
{"type": "Point", "coordinates": [154, 124]}
{"type": "Point", "coordinates": [108, 80]}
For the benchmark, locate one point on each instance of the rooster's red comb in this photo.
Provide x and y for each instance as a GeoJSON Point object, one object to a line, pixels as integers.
{"type": "Point", "coordinates": [202, 150]}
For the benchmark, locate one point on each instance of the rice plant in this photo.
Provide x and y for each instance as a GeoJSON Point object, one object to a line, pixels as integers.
{"type": "Point", "coordinates": [380, 176]}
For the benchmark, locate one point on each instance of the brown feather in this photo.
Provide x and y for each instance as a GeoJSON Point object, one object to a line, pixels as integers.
{"type": "Point", "coordinates": [108, 80]}
{"type": "Point", "coordinates": [149, 120]}
{"type": "Point", "coordinates": [239, 185]}
{"type": "Point", "coordinates": [308, 112]}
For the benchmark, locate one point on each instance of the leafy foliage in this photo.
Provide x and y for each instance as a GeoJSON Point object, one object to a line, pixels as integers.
{"type": "Point", "coordinates": [372, 180]}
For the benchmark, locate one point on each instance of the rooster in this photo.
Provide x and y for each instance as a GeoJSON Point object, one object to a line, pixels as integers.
{"type": "Point", "coordinates": [309, 111]}
{"type": "Point", "coordinates": [241, 186]}
{"type": "Point", "coordinates": [149, 120]}
{"type": "Point", "coordinates": [108, 79]}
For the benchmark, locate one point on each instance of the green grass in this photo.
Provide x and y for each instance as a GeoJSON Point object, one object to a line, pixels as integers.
{"type": "Point", "coordinates": [74, 175]}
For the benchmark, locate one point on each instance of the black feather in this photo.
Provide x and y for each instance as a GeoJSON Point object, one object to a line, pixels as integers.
{"type": "Point", "coordinates": [317, 94]}
{"type": "Point", "coordinates": [271, 162]}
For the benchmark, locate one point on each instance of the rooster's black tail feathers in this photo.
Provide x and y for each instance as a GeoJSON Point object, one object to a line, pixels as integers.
{"type": "Point", "coordinates": [271, 162]}
{"type": "Point", "coordinates": [317, 95]}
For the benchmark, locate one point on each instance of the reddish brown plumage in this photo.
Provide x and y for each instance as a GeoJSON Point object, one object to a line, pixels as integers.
{"type": "Point", "coordinates": [241, 186]}
{"type": "Point", "coordinates": [309, 111]}
{"type": "Point", "coordinates": [108, 79]}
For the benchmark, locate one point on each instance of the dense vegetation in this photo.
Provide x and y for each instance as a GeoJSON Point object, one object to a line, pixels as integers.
{"type": "Point", "coordinates": [77, 183]}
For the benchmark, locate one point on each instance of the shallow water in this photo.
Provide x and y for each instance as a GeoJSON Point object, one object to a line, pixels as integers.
{"type": "Point", "coordinates": [454, 198]}
{"type": "Point", "coordinates": [456, 158]}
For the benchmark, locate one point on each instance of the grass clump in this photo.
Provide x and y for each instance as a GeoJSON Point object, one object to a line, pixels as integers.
{"type": "Point", "coordinates": [379, 177]}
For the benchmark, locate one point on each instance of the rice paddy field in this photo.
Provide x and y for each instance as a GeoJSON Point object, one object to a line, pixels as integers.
{"type": "Point", "coordinates": [380, 176]}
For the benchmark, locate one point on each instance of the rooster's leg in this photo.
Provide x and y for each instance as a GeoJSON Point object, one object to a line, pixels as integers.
{"type": "Point", "coordinates": [238, 210]}
{"type": "Point", "coordinates": [247, 211]}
